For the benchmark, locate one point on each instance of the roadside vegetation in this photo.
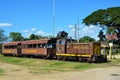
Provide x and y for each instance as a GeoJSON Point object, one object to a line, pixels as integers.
{"type": "Point", "coordinates": [49, 66]}
{"type": "Point", "coordinates": [1, 72]}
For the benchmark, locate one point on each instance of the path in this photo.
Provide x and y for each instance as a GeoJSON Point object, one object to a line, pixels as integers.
{"type": "Point", "coordinates": [13, 72]}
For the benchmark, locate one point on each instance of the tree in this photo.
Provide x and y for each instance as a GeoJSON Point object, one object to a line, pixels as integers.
{"type": "Point", "coordinates": [86, 39]}
{"type": "Point", "coordinates": [16, 36]}
{"type": "Point", "coordinates": [101, 36]}
{"type": "Point", "coordinates": [2, 38]}
{"type": "Point", "coordinates": [62, 34]}
{"type": "Point", "coordinates": [104, 17]}
{"type": "Point", "coordinates": [109, 17]}
{"type": "Point", "coordinates": [34, 37]}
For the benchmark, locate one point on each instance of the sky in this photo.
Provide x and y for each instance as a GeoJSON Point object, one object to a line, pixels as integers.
{"type": "Point", "coordinates": [36, 16]}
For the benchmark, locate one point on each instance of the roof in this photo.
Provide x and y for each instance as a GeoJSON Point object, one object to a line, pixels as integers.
{"type": "Point", "coordinates": [40, 41]}
{"type": "Point", "coordinates": [35, 41]}
{"type": "Point", "coordinates": [11, 43]}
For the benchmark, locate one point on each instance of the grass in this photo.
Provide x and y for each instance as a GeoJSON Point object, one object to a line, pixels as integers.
{"type": "Point", "coordinates": [1, 72]}
{"type": "Point", "coordinates": [48, 66]}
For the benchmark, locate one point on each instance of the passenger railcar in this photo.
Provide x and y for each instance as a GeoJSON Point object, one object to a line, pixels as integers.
{"type": "Point", "coordinates": [43, 47]}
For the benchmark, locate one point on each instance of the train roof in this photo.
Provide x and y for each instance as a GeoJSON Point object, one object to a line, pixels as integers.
{"type": "Point", "coordinates": [35, 41]}
{"type": "Point", "coordinates": [10, 43]}
{"type": "Point", "coordinates": [41, 41]}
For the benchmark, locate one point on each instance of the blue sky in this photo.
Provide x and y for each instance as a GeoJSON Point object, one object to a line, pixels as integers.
{"type": "Point", "coordinates": [35, 16]}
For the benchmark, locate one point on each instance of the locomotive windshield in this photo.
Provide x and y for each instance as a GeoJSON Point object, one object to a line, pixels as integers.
{"type": "Point", "coordinates": [51, 45]}
{"type": "Point", "coordinates": [61, 42]}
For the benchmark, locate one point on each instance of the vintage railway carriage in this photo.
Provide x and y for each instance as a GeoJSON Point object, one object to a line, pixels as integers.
{"type": "Point", "coordinates": [42, 47]}
{"type": "Point", "coordinates": [10, 48]}
{"type": "Point", "coordinates": [66, 48]}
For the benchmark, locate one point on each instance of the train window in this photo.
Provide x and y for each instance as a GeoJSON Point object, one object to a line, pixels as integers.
{"type": "Point", "coordinates": [62, 42]}
{"type": "Point", "coordinates": [6, 47]}
{"type": "Point", "coordinates": [29, 46]}
{"type": "Point", "coordinates": [44, 45]}
{"type": "Point", "coordinates": [39, 45]}
{"type": "Point", "coordinates": [9, 47]}
{"type": "Point", "coordinates": [34, 46]}
{"type": "Point", "coordinates": [49, 45]}
{"type": "Point", "coordinates": [24, 46]}
{"type": "Point", "coordinates": [12, 46]}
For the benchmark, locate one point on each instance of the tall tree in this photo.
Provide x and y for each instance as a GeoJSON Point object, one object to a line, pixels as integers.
{"type": "Point", "coordinates": [2, 36]}
{"type": "Point", "coordinates": [33, 37]}
{"type": "Point", "coordinates": [109, 17]}
{"type": "Point", "coordinates": [86, 39]}
{"type": "Point", "coordinates": [16, 36]}
{"type": "Point", "coordinates": [104, 17]}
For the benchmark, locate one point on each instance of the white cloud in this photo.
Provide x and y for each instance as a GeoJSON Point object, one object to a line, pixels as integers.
{"type": "Point", "coordinates": [33, 29]}
{"type": "Point", "coordinates": [42, 33]}
{"type": "Point", "coordinates": [28, 32]}
{"type": "Point", "coordinates": [71, 26]}
{"type": "Point", "coordinates": [91, 31]}
{"type": "Point", "coordinates": [5, 24]}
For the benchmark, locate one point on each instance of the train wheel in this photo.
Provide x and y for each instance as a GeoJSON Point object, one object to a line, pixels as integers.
{"type": "Point", "coordinates": [80, 59]}
{"type": "Point", "coordinates": [64, 58]}
{"type": "Point", "coordinates": [49, 56]}
{"type": "Point", "coordinates": [89, 60]}
{"type": "Point", "coordinates": [59, 57]}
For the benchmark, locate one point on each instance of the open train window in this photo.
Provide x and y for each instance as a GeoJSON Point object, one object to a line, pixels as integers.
{"type": "Point", "coordinates": [61, 42]}
{"type": "Point", "coordinates": [24, 46]}
{"type": "Point", "coordinates": [34, 45]}
{"type": "Point", "coordinates": [49, 45]}
{"type": "Point", "coordinates": [29, 45]}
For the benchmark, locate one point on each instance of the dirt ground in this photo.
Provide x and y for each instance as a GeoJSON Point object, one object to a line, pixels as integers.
{"type": "Point", "coordinates": [13, 72]}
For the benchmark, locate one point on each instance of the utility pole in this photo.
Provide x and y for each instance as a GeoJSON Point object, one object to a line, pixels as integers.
{"type": "Point", "coordinates": [53, 18]}
{"type": "Point", "coordinates": [78, 30]}
{"type": "Point", "coordinates": [75, 32]}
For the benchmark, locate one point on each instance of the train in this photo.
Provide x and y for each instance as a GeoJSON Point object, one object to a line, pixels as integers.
{"type": "Point", "coordinates": [61, 49]}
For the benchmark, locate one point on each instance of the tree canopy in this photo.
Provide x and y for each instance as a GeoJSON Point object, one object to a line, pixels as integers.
{"type": "Point", "coordinates": [86, 39]}
{"type": "Point", "coordinates": [16, 36]}
{"type": "Point", "coordinates": [33, 37]}
{"type": "Point", "coordinates": [108, 18]}
{"type": "Point", "coordinates": [104, 17]}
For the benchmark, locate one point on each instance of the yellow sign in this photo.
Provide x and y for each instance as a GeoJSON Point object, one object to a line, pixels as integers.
{"type": "Point", "coordinates": [31, 51]}
{"type": "Point", "coordinates": [7, 51]}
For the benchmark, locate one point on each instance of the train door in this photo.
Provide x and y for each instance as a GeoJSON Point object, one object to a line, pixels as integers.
{"type": "Point", "coordinates": [19, 49]}
{"type": "Point", "coordinates": [60, 48]}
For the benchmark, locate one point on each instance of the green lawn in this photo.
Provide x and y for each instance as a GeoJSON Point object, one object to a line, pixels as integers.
{"type": "Point", "coordinates": [1, 72]}
{"type": "Point", "coordinates": [46, 66]}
